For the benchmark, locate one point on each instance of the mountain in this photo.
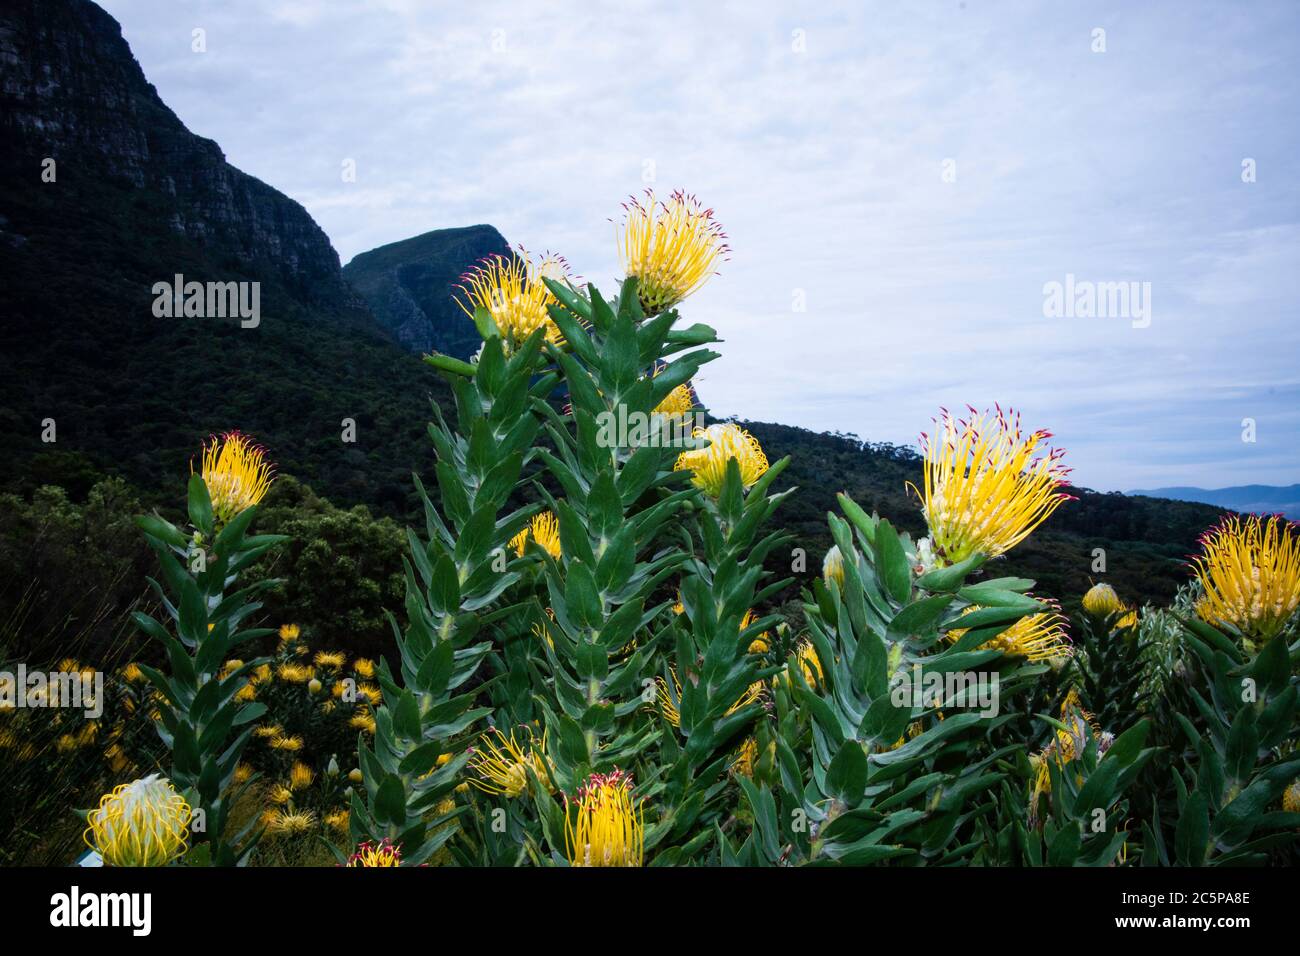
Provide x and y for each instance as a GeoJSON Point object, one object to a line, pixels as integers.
{"type": "Point", "coordinates": [1252, 499]}
{"type": "Point", "coordinates": [409, 285]}
{"type": "Point", "coordinates": [133, 199]}
{"type": "Point", "coordinates": [126, 392]}
{"type": "Point", "coordinates": [72, 92]}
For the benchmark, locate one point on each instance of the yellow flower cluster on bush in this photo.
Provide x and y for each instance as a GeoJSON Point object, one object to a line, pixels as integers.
{"type": "Point", "coordinates": [512, 291]}
{"type": "Point", "coordinates": [144, 823]}
{"type": "Point", "coordinates": [1249, 569]}
{"type": "Point", "coordinates": [988, 484]}
{"type": "Point", "coordinates": [726, 442]}
{"type": "Point", "coordinates": [237, 474]}
{"type": "Point", "coordinates": [503, 764]}
{"type": "Point", "coordinates": [1036, 637]}
{"type": "Point", "coordinates": [543, 530]}
{"type": "Point", "coordinates": [605, 824]}
{"type": "Point", "coordinates": [670, 247]}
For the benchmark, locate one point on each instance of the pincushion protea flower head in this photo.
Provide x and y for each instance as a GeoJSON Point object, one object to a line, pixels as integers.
{"type": "Point", "coordinates": [1291, 797]}
{"type": "Point", "coordinates": [382, 853]}
{"type": "Point", "coordinates": [1101, 600]}
{"type": "Point", "coordinates": [677, 403]}
{"type": "Point", "coordinates": [236, 472]}
{"type": "Point", "coordinates": [668, 700]}
{"type": "Point", "coordinates": [1037, 637]}
{"type": "Point", "coordinates": [503, 762]}
{"type": "Point", "coordinates": [1249, 569]}
{"type": "Point", "coordinates": [988, 484]}
{"type": "Point", "coordinates": [708, 465]}
{"type": "Point", "coordinates": [144, 823]}
{"type": "Point", "coordinates": [544, 529]}
{"type": "Point", "coordinates": [670, 247]}
{"type": "Point", "coordinates": [608, 828]}
{"type": "Point", "coordinates": [1064, 748]}
{"type": "Point", "coordinates": [512, 291]}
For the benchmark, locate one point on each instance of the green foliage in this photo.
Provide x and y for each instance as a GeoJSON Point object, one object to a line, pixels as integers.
{"type": "Point", "coordinates": [202, 723]}
{"type": "Point", "coordinates": [1239, 762]}
{"type": "Point", "coordinates": [340, 569]}
{"type": "Point", "coordinates": [453, 576]}
{"type": "Point", "coordinates": [1109, 669]}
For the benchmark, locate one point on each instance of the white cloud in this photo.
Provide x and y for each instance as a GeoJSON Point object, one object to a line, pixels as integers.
{"type": "Point", "coordinates": [825, 167]}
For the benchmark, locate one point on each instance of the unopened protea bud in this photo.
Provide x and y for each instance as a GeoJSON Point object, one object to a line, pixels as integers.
{"type": "Point", "coordinates": [1101, 600]}
{"type": "Point", "coordinates": [833, 566]}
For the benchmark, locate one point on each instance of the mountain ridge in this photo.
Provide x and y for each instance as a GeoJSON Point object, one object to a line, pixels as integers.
{"type": "Point", "coordinates": [409, 286]}
{"type": "Point", "coordinates": [1253, 499]}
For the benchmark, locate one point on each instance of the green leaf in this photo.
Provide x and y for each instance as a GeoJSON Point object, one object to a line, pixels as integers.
{"type": "Point", "coordinates": [846, 777]}
{"type": "Point", "coordinates": [390, 800]}
{"type": "Point", "coordinates": [200, 505]}
{"type": "Point", "coordinates": [1193, 832]}
{"type": "Point", "coordinates": [891, 563]}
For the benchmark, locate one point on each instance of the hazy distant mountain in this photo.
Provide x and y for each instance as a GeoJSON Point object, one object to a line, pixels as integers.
{"type": "Point", "coordinates": [409, 285]}
{"type": "Point", "coordinates": [1257, 499]}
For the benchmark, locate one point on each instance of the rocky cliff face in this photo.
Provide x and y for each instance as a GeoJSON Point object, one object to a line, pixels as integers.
{"type": "Point", "coordinates": [409, 286]}
{"type": "Point", "coordinates": [70, 90]}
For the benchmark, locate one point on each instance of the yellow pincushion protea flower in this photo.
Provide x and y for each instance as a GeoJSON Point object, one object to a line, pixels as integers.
{"type": "Point", "coordinates": [708, 465]}
{"type": "Point", "coordinates": [512, 290]}
{"type": "Point", "coordinates": [1064, 748]}
{"type": "Point", "coordinates": [300, 776]}
{"type": "Point", "coordinates": [809, 663]}
{"type": "Point", "coordinates": [608, 828]}
{"type": "Point", "coordinates": [289, 632]}
{"type": "Point", "coordinates": [670, 247]}
{"type": "Point", "coordinates": [144, 823]}
{"type": "Point", "coordinates": [1291, 797]}
{"type": "Point", "coordinates": [544, 530]}
{"type": "Point", "coordinates": [987, 484]}
{"type": "Point", "coordinates": [503, 762]}
{"type": "Point", "coordinates": [668, 701]}
{"type": "Point", "coordinates": [677, 403]}
{"type": "Point", "coordinates": [758, 645]}
{"type": "Point", "coordinates": [237, 474]}
{"type": "Point", "coordinates": [1249, 569]}
{"type": "Point", "coordinates": [1101, 600]}
{"type": "Point", "coordinates": [290, 823]}
{"type": "Point", "coordinates": [746, 757]}
{"type": "Point", "coordinates": [364, 667]}
{"type": "Point", "coordinates": [337, 820]}
{"type": "Point", "coordinates": [294, 673]}
{"type": "Point", "coordinates": [331, 659]}
{"type": "Point", "coordinates": [363, 722]}
{"type": "Point", "coordinates": [132, 674]}
{"type": "Point", "coordinates": [1037, 637]}
{"type": "Point", "coordinates": [380, 854]}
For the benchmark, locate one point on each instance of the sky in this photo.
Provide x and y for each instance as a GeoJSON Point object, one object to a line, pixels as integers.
{"type": "Point", "coordinates": [909, 190]}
